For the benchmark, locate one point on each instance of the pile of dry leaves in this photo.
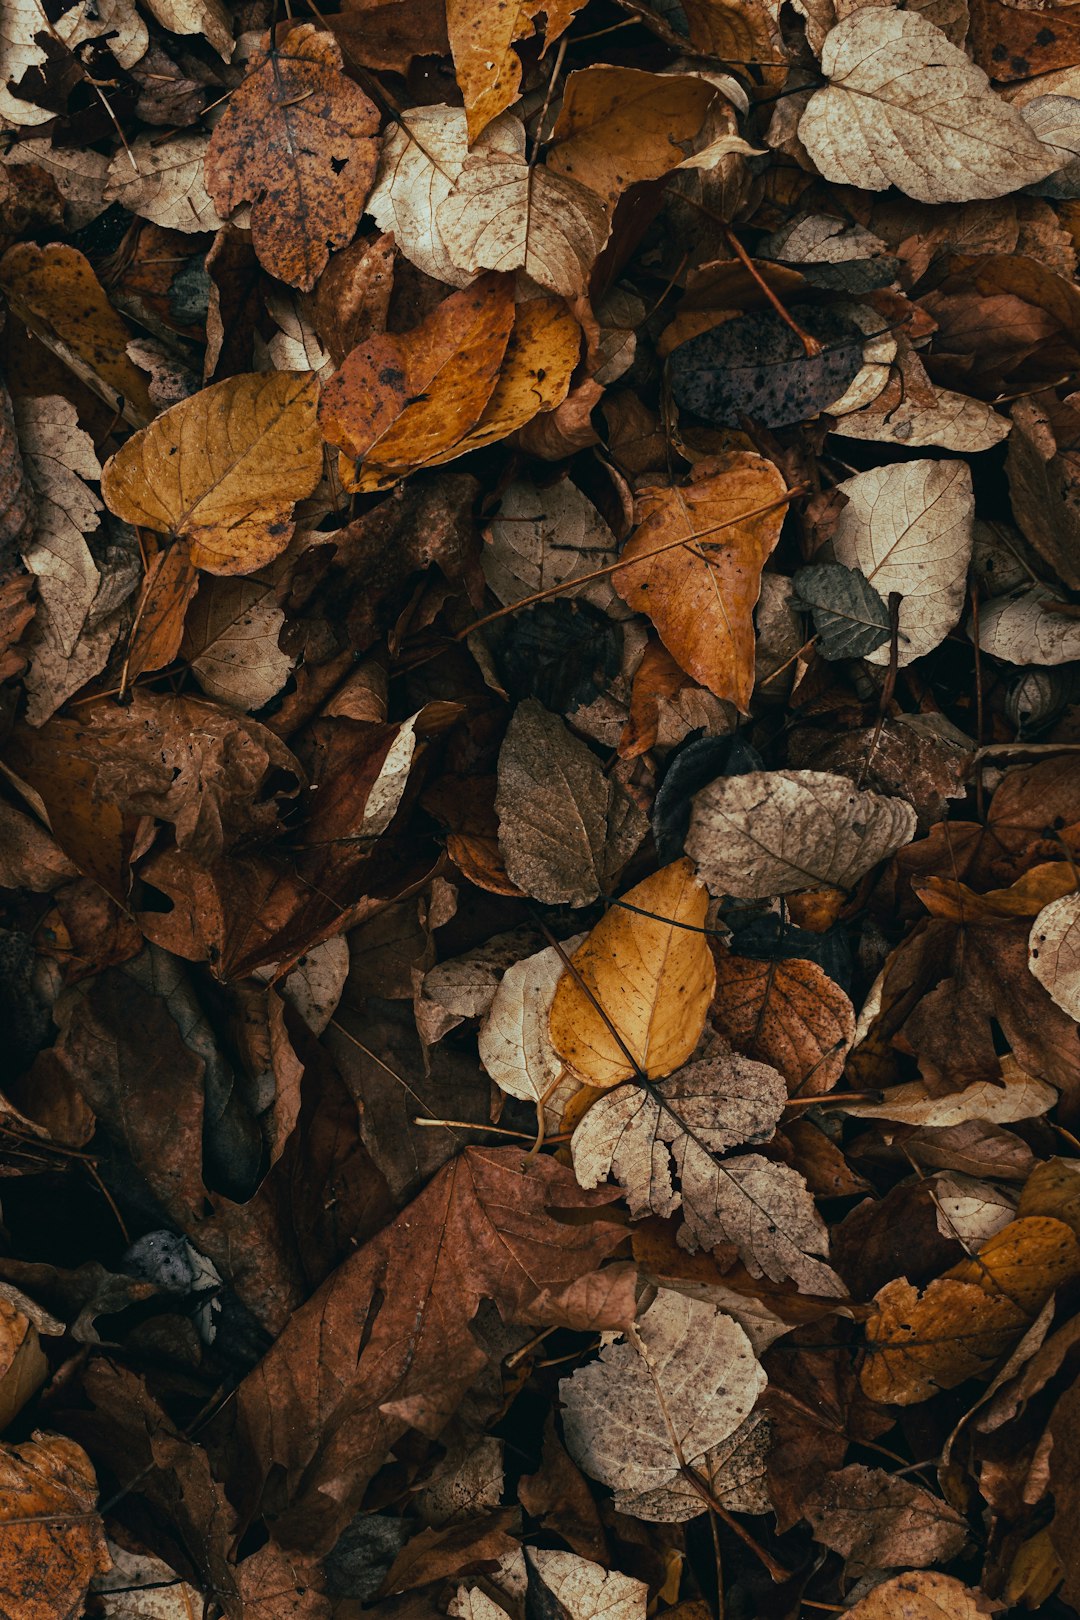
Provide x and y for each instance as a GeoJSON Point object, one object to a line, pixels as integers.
{"type": "Point", "coordinates": [540, 810]}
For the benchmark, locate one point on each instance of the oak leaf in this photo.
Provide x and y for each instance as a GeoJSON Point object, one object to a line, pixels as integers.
{"type": "Point", "coordinates": [649, 1409]}
{"type": "Point", "coordinates": [637, 991]}
{"type": "Point", "coordinates": [298, 141]}
{"type": "Point", "coordinates": [776, 832]}
{"type": "Point", "coordinates": [906, 108]}
{"type": "Point", "coordinates": [223, 469]}
{"type": "Point", "coordinates": [701, 595]}
{"type": "Point", "coordinates": [385, 1345]}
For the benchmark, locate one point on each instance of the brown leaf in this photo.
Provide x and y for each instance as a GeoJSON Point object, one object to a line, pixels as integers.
{"type": "Point", "coordinates": [923, 1595]}
{"type": "Point", "coordinates": [486, 66]}
{"type": "Point", "coordinates": [385, 1344]}
{"type": "Point", "coordinates": [16, 494]}
{"type": "Point", "coordinates": [789, 1014]}
{"type": "Point", "coordinates": [876, 1521]}
{"type": "Point", "coordinates": [167, 591]}
{"type": "Point", "coordinates": [701, 595]}
{"type": "Point", "coordinates": [297, 141]}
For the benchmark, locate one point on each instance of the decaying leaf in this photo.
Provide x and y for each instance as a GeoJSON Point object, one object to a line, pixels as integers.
{"type": "Point", "coordinates": [223, 469]}
{"type": "Point", "coordinates": [776, 832]}
{"type": "Point", "coordinates": [565, 829]}
{"type": "Point", "coordinates": [297, 141]}
{"type": "Point", "coordinates": [637, 991]}
{"type": "Point", "coordinates": [906, 108]}
{"type": "Point", "coordinates": [789, 1014]}
{"type": "Point", "coordinates": [850, 618]}
{"type": "Point", "coordinates": [1027, 627]}
{"type": "Point", "coordinates": [1054, 952]}
{"type": "Point", "coordinates": [923, 1595]}
{"type": "Point", "coordinates": [661, 1403]}
{"type": "Point", "coordinates": [52, 1538]}
{"type": "Point", "coordinates": [163, 181]}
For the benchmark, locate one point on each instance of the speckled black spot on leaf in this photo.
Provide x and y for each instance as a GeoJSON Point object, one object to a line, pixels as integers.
{"type": "Point", "coordinates": [754, 366]}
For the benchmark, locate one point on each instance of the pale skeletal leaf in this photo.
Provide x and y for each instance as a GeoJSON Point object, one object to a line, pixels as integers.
{"type": "Point", "coordinates": [953, 422]}
{"type": "Point", "coordinates": [515, 1042]}
{"type": "Point", "coordinates": [776, 832]}
{"type": "Point", "coordinates": [1021, 1097]}
{"type": "Point", "coordinates": [647, 1409]}
{"type": "Point", "coordinates": [59, 456]}
{"type": "Point", "coordinates": [79, 175]}
{"type": "Point", "coordinates": [909, 528]}
{"type": "Point", "coordinates": [166, 184]}
{"type": "Point", "coordinates": [906, 108]}
{"type": "Point", "coordinates": [587, 1591]}
{"type": "Point", "coordinates": [1023, 628]}
{"type": "Point", "coordinates": [1056, 122]}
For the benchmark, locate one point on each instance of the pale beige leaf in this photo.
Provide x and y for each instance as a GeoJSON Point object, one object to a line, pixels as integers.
{"type": "Point", "coordinates": [422, 158]}
{"type": "Point", "coordinates": [776, 832]}
{"type": "Point", "coordinates": [542, 537]}
{"type": "Point", "coordinates": [923, 1595]}
{"type": "Point", "coordinates": [565, 827]}
{"type": "Point", "coordinates": [909, 528]}
{"type": "Point", "coordinates": [315, 984]}
{"type": "Point", "coordinates": [224, 469]}
{"type": "Point", "coordinates": [141, 1587]}
{"type": "Point", "coordinates": [687, 1378]}
{"type": "Point", "coordinates": [231, 642]}
{"type": "Point", "coordinates": [504, 215]}
{"type": "Point", "coordinates": [953, 422]}
{"type": "Point", "coordinates": [59, 456]}
{"type": "Point", "coordinates": [79, 174]}
{"type": "Point", "coordinates": [1023, 628]}
{"type": "Point", "coordinates": [1021, 1097]}
{"type": "Point", "coordinates": [969, 1210]}
{"type": "Point", "coordinates": [906, 108]}
{"type": "Point", "coordinates": [515, 1042]}
{"type": "Point", "coordinates": [208, 18]}
{"type": "Point", "coordinates": [641, 983]}
{"type": "Point", "coordinates": [1054, 952]}
{"type": "Point", "coordinates": [587, 1591]}
{"type": "Point", "coordinates": [166, 184]}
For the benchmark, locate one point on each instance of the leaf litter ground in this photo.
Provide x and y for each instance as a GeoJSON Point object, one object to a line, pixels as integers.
{"type": "Point", "coordinates": [540, 740]}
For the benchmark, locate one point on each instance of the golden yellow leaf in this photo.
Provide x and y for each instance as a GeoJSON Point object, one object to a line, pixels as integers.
{"type": "Point", "coordinates": [647, 964]}
{"type": "Point", "coordinates": [701, 596]}
{"type": "Point", "coordinates": [55, 291]}
{"type": "Point", "coordinates": [919, 1344]}
{"type": "Point", "coordinates": [486, 65]}
{"type": "Point", "coordinates": [223, 469]}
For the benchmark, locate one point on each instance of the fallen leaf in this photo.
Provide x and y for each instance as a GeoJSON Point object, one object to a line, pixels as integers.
{"type": "Point", "coordinates": [648, 1409]}
{"type": "Point", "coordinates": [1054, 952]}
{"type": "Point", "coordinates": [486, 66]}
{"type": "Point", "coordinates": [205, 17]}
{"type": "Point", "coordinates": [875, 1521]}
{"type": "Point", "coordinates": [953, 422]}
{"type": "Point", "coordinates": [701, 595]}
{"type": "Point", "coordinates": [884, 120]}
{"type": "Point", "coordinates": [640, 985]}
{"type": "Point", "coordinates": [776, 832]}
{"type": "Point", "coordinates": [545, 537]}
{"type": "Point", "coordinates": [52, 1537]}
{"type": "Point", "coordinates": [297, 141]}
{"type": "Point", "coordinates": [230, 640]}
{"type": "Point", "coordinates": [923, 1595]}
{"type": "Point", "coordinates": [398, 403]}
{"type": "Point", "coordinates": [1020, 1097]}
{"type": "Point", "coordinates": [163, 181]}
{"type": "Point", "coordinates": [386, 1346]}
{"type": "Point", "coordinates": [850, 619]}
{"type": "Point", "coordinates": [23, 1368]}
{"type": "Point", "coordinates": [514, 1039]}
{"type": "Point", "coordinates": [908, 528]}
{"type": "Point", "coordinates": [223, 469]}
{"type": "Point", "coordinates": [565, 828]}
{"type": "Point", "coordinates": [789, 1014]}
{"type": "Point", "coordinates": [587, 1591]}
{"type": "Point", "coordinates": [1025, 628]}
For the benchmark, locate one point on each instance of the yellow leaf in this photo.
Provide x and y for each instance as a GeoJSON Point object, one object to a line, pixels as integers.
{"type": "Point", "coordinates": [701, 595]}
{"type": "Point", "coordinates": [650, 969]}
{"type": "Point", "coordinates": [482, 36]}
{"type": "Point", "coordinates": [919, 1344]}
{"type": "Point", "coordinates": [223, 469]}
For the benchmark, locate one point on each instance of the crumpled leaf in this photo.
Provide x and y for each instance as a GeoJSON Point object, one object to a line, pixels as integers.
{"type": "Point", "coordinates": [789, 1014]}
{"type": "Point", "coordinates": [1019, 1097]}
{"type": "Point", "coordinates": [850, 618]}
{"type": "Point", "coordinates": [385, 1345]}
{"type": "Point", "coordinates": [876, 1521]}
{"type": "Point", "coordinates": [776, 832]}
{"type": "Point", "coordinates": [963, 1322]}
{"type": "Point", "coordinates": [502, 214]}
{"type": "Point", "coordinates": [1054, 952]}
{"type": "Point", "coordinates": [298, 141]}
{"type": "Point", "coordinates": [53, 1539]}
{"type": "Point", "coordinates": [701, 595]}
{"type": "Point", "coordinates": [60, 458]}
{"type": "Point", "coordinates": [486, 66]}
{"type": "Point", "coordinates": [223, 469]}
{"type": "Point", "coordinates": [640, 985]}
{"type": "Point", "coordinates": [565, 827]}
{"type": "Point", "coordinates": [906, 108]}
{"type": "Point", "coordinates": [909, 528]}
{"type": "Point", "coordinates": [688, 1372]}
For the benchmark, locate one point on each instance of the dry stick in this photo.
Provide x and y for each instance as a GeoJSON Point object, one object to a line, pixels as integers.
{"type": "Point", "coordinates": [980, 806]}
{"type": "Point", "coordinates": [538, 139]}
{"type": "Point", "coordinates": [634, 562]}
